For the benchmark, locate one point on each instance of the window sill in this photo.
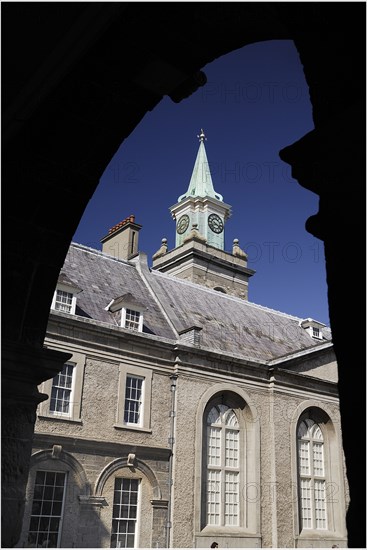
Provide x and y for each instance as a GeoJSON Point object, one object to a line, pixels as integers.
{"type": "Point", "coordinates": [319, 534]}
{"type": "Point", "coordinates": [241, 538]}
{"type": "Point", "coordinates": [132, 428]}
{"type": "Point", "coordinates": [60, 418]}
{"type": "Point", "coordinates": [228, 530]}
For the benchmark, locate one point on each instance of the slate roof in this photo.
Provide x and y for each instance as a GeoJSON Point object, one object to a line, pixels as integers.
{"type": "Point", "coordinates": [232, 324]}
{"type": "Point", "coordinates": [102, 279]}
{"type": "Point", "coordinates": [229, 324]}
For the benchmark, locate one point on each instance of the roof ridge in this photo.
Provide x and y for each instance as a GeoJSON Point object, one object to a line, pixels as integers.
{"type": "Point", "coordinates": [100, 253]}
{"type": "Point", "coordinates": [228, 296]}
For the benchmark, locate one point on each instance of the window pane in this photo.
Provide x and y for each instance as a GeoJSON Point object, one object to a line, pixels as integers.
{"type": "Point", "coordinates": [44, 523]}
{"type": "Point", "coordinates": [58, 493]}
{"type": "Point", "coordinates": [46, 514]}
{"type": "Point", "coordinates": [133, 399]}
{"type": "Point", "coordinates": [306, 504]}
{"type": "Point", "coordinates": [320, 505]}
{"type": "Point", "coordinates": [48, 494]}
{"type": "Point", "coordinates": [124, 513]}
{"type": "Point", "coordinates": [130, 541]}
{"type": "Point", "coordinates": [40, 477]}
{"type": "Point", "coordinates": [231, 419]}
{"type": "Point", "coordinates": [318, 459]}
{"type": "Point", "coordinates": [63, 301]}
{"type": "Point", "coordinates": [38, 492]}
{"type": "Point", "coordinates": [54, 524]}
{"type": "Point", "coordinates": [132, 319]}
{"type": "Point", "coordinates": [213, 416]}
{"type": "Point", "coordinates": [52, 540]}
{"type": "Point", "coordinates": [56, 508]}
{"type": "Point", "coordinates": [36, 507]}
{"type": "Point", "coordinates": [214, 497]}
{"type": "Point", "coordinates": [231, 498]}
{"type": "Point", "coordinates": [232, 448]}
{"type": "Point", "coordinates": [61, 390]}
{"type": "Point", "coordinates": [46, 507]}
{"type": "Point", "coordinates": [33, 526]}
{"type": "Point", "coordinates": [59, 479]}
{"type": "Point", "coordinates": [304, 457]}
{"type": "Point", "coordinates": [214, 446]}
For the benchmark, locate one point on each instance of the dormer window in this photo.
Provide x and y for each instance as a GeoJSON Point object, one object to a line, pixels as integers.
{"type": "Point", "coordinates": [64, 299]}
{"type": "Point", "coordinates": [132, 319]}
{"type": "Point", "coordinates": [127, 311]}
{"type": "Point", "coordinates": [314, 328]}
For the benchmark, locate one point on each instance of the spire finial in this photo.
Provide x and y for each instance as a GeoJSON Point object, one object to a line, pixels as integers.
{"type": "Point", "coordinates": [202, 135]}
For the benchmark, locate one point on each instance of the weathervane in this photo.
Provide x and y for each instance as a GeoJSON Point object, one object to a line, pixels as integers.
{"type": "Point", "coordinates": [202, 135]}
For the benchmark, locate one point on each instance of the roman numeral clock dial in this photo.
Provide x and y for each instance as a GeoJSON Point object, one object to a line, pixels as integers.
{"type": "Point", "coordinates": [215, 223]}
{"type": "Point", "coordinates": [182, 224]}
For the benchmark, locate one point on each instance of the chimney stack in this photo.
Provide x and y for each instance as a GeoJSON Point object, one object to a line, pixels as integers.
{"type": "Point", "coordinates": [121, 240]}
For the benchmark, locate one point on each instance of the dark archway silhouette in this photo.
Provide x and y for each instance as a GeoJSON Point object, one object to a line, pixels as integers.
{"type": "Point", "coordinates": [77, 79]}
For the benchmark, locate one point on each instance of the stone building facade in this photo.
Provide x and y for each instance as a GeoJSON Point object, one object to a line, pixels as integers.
{"type": "Point", "coordinates": [185, 414]}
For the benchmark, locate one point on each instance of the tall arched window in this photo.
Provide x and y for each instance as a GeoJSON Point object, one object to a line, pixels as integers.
{"type": "Point", "coordinates": [222, 467]}
{"type": "Point", "coordinates": [311, 471]}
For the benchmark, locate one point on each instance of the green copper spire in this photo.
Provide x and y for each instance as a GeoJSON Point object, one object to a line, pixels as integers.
{"type": "Point", "coordinates": [201, 184]}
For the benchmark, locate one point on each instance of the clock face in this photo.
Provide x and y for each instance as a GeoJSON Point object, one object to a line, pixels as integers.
{"type": "Point", "coordinates": [182, 224]}
{"type": "Point", "coordinates": [215, 223]}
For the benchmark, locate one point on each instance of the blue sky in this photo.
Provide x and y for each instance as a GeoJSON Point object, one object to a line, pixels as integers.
{"type": "Point", "coordinates": [255, 102]}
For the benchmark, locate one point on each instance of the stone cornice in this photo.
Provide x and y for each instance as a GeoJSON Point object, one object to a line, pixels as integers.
{"type": "Point", "coordinates": [282, 378]}
{"type": "Point", "coordinates": [294, 358]}
{"type": "Point", "coordinates": [108, 339]}
{"type": "Point", "coordinates": [187, 357]}
{"type": "Point", "coordinates": [191, 250]}
{"type": "Point", "coordinates": [99, 446]}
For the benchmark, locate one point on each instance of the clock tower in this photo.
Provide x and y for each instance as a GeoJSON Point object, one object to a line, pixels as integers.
{"type": "Point", "coordinates": [199, 256]}
{"type": "Point", "coordinates": [201, 205]}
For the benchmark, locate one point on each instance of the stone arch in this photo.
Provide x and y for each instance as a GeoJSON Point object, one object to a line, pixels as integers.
{"type": "Point", "coordinates": [63, 456]}
{"type": "Point", "coordinates": [253, 414]}
{"type": "Point", "coordinates": [122, 463]}
{"type": "Point", "coordinates": [314, 404]}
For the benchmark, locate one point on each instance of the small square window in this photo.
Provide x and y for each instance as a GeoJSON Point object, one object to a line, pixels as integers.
{"type": "Point", "coordinates": [132, 319]}
{"type": "Point", "coordinates": [63, 301]}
